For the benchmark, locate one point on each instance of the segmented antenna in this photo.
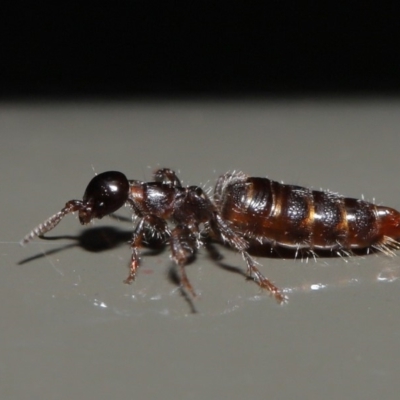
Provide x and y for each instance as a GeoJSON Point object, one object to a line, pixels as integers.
{"type": "Point", "coordinates": [52, 222]}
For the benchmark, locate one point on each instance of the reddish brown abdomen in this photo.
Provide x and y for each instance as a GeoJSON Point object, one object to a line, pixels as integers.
{"type": "Point", "coordinates": [293, 216]}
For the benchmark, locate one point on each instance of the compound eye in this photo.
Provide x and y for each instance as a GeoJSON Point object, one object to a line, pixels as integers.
{"type": "Point", "coordinates": [106, 193]}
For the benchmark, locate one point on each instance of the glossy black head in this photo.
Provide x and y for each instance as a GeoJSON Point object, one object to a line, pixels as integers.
{"type": "Point", "coordinates": [106, 193]}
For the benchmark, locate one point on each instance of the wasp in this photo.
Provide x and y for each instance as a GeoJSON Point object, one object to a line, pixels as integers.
{"type": "Point", "coordinates": [242, 211]}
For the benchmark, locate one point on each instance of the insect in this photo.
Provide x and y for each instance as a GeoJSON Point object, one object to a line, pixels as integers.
{"type": "Point", "coordinates": [242, 211]}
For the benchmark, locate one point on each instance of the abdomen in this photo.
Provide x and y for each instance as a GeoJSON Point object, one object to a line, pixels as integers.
{"type": "Point", "coordinates": [296, 217]}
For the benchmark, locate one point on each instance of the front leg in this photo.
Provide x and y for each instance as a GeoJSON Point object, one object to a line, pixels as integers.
{"type": "Point", "coordinates": [147, 222]}
{"type": "Point", "coordinates": [183, 247]}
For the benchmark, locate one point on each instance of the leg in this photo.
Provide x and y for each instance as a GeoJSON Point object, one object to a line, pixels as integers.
{"type": "Point", "coordinates": [149, 221]}
{"type": "Point", "coordinates": [254, 273]}
{"type": "Point", "coordinates": [183, 246]}
{"type": "Point", "coordinates": [240, 244]}
{"type": "Point", "coordinates": [167, 176]}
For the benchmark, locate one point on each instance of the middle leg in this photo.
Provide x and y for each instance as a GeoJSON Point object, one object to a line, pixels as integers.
{"type": "Point", "coordinates": [183, 247]}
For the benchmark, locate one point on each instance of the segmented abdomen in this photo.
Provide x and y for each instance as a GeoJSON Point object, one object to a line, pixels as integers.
{"type": "Point", "coordinates": [297, 217]}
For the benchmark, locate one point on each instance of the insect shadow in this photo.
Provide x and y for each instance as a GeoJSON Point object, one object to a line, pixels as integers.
{"type": "Point", "coordinates": [99, 239]}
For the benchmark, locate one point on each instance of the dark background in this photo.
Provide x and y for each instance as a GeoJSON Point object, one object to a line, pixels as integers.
{"type": "Point", "coordinates": [204, 48]}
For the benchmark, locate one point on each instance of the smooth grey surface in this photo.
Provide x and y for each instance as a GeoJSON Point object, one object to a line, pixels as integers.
{"type": "Point", "coordinates": [71, 329]}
